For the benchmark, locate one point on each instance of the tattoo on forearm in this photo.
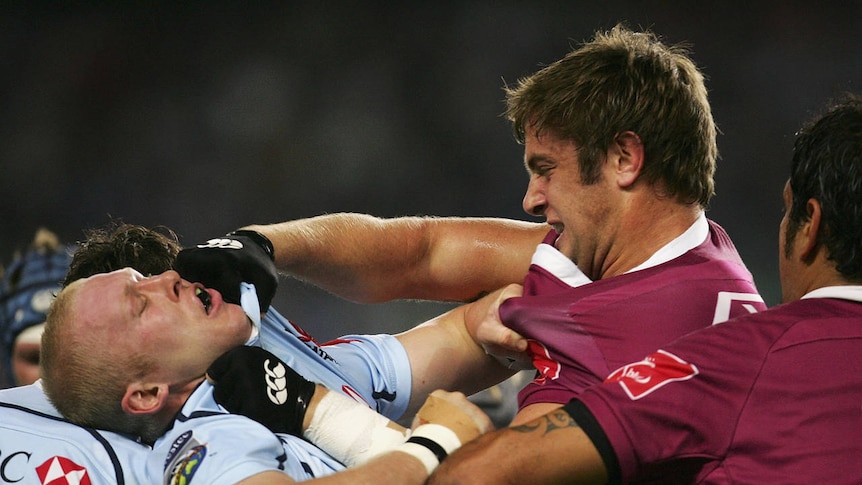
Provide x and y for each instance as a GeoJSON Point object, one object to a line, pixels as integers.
{"type": "Point", "coordinates": [557, 419]}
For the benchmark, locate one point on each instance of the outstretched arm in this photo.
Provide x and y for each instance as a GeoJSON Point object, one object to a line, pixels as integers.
{"type": "Point", "coordinates": [401, 463]}
{"type": "Point", "coordinates": [254, 382]}
{"type": "Point", "coordinates": [370, 259]}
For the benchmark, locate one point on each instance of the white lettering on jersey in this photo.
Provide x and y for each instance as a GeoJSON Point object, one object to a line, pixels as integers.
{"type": "Point", "coordinates": [725, 304]}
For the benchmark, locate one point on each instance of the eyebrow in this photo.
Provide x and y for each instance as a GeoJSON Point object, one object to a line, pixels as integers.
{"type": "Point", "coordinates": [536, 159]}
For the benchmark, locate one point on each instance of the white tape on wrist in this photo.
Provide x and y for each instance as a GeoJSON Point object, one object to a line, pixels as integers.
{"type": "Point", "coordinates": [431, 443]}
{"type": "Point", "coordinates": [350, 431]}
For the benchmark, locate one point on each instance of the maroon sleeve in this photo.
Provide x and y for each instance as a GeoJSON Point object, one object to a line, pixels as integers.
{"type": "Point", "coordinates": [594, 431]}
{"type": "Point", "coordinates": [675, 410]}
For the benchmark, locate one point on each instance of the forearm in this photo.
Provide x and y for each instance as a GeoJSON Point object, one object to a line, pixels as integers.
{"type": "Point", "coordinates": [348, 430]}
{"type": "Point", "coordinates": [548, 450]}
{"type": "Point", "coordinates": [443, 355]}
{"type": "Point", "coordinates": [370, 259]}
{"type": "Point", "coordinates": [393, 467]}
{"type": "Point", "coordinates": [375, 450]}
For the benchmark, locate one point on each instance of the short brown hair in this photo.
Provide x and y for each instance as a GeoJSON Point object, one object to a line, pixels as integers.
{"type": "Point", "coordinates": [626, 81]}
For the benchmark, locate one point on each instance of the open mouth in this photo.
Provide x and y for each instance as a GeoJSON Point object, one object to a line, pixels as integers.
{"type": "Point", "coordinates": [205, 298]}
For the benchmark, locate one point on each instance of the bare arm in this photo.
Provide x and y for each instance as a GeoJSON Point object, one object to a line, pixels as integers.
{"type": "Point", "coordinates": [397, 466]}
{"type": "Point", "coordinates": [451, 410]}
{"type": "Point", "coordinates": [369, 259]}
{"type": "Point", "coordinates": [449, 351]}
{"type": "Point", "coordinates": [394, 467]}
{"type": "Point", "coordinates": [549, 449]}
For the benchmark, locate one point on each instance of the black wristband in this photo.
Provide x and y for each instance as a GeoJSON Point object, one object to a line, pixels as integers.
{"type": "Point", "coordinates": [301, 394]}
{"type": "Point", "coordinates": [258, 238]}
{"type": "Point", "coordinates": [432, 445]}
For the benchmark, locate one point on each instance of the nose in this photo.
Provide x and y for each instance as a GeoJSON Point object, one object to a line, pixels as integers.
{"type": "Point", "coordinates": [167, 283]}
{"type": "Point", "coordinates": [535, 202]}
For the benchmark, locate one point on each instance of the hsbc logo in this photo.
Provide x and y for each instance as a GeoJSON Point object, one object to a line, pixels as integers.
{"type": "Point", "coordinates": [62, 471]}
{"type": "Point", "coordinates": [642, 378]}
{"type": "Point", "coordinates": [57, 470]}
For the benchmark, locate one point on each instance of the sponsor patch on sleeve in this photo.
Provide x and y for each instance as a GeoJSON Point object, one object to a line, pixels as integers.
{"type": "Point", "coordinates": [184, 459]}
{"type": "Point", "coordinates": [641, 378]}
{"type": "Point", "coordinates": [59, 470]}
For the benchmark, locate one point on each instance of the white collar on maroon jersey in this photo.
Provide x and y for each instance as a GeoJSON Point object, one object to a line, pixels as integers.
{"type": "Point", "coordinates": [693, 237]}
{"type": "Point", "coordinates": [556, 263]}
{"type": "Point", "coordinates": [848, 292]}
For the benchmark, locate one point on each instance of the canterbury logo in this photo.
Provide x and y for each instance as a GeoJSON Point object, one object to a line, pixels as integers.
{"type": "Point", "coordinates": [221, 243]}
{"type": "Point", "coordinates": [276, 382]}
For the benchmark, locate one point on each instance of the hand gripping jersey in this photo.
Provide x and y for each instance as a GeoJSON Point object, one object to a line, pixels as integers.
{"type": "Point", "coordinates": [579, 331]}
{"type": "Point", "coordinates": [774, 397]}
{"type": "Point", "coordinates": [37, 446]}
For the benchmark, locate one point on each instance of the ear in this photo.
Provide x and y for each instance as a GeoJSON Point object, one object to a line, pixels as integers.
{"type": "Point", "coordinates": [806, 236]}
{"type": "Point", "coordinates": [628, 149]}
{"type": "Point", "coordinates": [144, 398]}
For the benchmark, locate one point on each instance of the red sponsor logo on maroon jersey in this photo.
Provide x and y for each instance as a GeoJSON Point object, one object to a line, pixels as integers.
{"type": "Point", "coordinates": [59, 470]}
{"type": "Point", "coordinates": [641, 378]}
{"type": "Point", "coordinates": [543, 362]}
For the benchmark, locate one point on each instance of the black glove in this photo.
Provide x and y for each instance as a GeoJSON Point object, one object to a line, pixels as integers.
{"type": "Point", "coordinates": [223, 263]}
{"type": "Point", "coordinates": [255, 383]}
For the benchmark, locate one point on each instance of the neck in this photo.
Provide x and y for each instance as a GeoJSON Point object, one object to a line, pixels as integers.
{"type": "Point", "coordinates": [645, 229]}
{"type": "Point", "coordinates": [163, 420]}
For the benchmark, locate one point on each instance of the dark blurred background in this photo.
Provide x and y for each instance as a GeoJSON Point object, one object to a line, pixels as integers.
{"type": "Point", "coordinates": [208, 116]}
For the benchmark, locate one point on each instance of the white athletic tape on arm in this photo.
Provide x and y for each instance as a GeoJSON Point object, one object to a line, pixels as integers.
{"type": "Point", "coordinates": [350, 431]}
{"type": "Point", "coordinates": [431, 443]}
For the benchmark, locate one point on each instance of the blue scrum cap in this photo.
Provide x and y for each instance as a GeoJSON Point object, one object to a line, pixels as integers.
{"type": "Point", "coordinates": [27, 288]}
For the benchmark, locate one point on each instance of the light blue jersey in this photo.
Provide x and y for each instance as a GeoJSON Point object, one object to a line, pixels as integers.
{"type": "Point", "coordinates": [373, 369]}
{"type": "Point", "coordinates": [206, 443]}
{"type": "Point", "coordinates": [37, 446]}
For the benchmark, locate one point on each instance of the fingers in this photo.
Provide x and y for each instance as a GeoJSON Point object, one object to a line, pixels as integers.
{"type": "Point", "coordinates": [487, 329]}
{"type": "Point", "coordinates": [456, 412]}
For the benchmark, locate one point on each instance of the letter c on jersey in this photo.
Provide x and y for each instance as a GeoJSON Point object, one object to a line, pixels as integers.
{"type": "Point", "coordinates": [7, 466]}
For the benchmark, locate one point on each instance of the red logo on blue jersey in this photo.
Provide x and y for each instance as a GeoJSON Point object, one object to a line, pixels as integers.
{"type": "Point", "coordinates": [641, 378]}
{"type": "Point", "coordinates": [59, 470]}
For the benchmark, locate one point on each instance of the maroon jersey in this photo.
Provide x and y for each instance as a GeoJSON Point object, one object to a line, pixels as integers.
{"type": "Point", "coordinates": [768, 398]}
{"type": "Point", "coordinates": [578, 334]}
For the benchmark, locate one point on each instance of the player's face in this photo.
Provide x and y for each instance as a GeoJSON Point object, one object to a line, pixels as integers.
{"type": "Point", "coordinates": [25, 362]}
{"type": "Point", "coordinates": [581, 214]}
{"type": "Point", "coordinates": [164, 316]}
